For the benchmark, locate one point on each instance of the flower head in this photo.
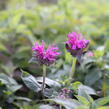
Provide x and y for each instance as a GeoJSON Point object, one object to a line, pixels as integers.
{"type": "Point", "coordinates": [65, 93]}
{"type": "Point", "coordinates": [76, 44]}
{"type": "Point", "coordinates": [45, 56]}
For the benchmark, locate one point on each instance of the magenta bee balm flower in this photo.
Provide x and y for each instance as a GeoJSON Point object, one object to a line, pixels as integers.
{"type": "Point", "coordinates": [45, 56]}
{"type": "Point", "coordinates": [76, 44]}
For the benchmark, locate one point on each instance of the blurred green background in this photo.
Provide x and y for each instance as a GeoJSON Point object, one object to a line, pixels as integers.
{"type": "Point", "coordinates": [23, 22]}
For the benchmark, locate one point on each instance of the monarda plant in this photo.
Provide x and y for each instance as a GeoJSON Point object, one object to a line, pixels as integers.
{"type": "Point", "coordinates": [45, 56]}
{"type": "Point", "coordinates": [76, 44]}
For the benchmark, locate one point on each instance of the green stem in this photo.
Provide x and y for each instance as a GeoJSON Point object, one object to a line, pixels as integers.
{"type": "Point", "coordinates": [104, 86]}
{"type": "Point", "coordinates": [60, 107]}
{"type": "Point", "coordinates": [44, 76]}
{"type": "Point", "coordinates": [73, 68]}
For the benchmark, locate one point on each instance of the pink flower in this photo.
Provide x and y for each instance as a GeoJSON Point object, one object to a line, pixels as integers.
{"type": "Point", "coordinates": [76, 44]}
{"type": "Point", "coordinates": [90, 54]}
{"type": "Point", "coordinates": [64, 93]}
{"type": "Point", "coordinates": [45, 56]}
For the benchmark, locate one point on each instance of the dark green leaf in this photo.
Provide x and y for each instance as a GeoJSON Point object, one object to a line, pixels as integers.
{"type": "Point", "coordinates": [49, 82]}
{"type": "Point", "coordinates": [30, 81]}
{"type": "Point", "coordinates": [92, 77]}
{"type": "Point", "coordinates": [11, 84]}
{"type": "Point", "coordinates": [45, 107]}
{"type": "Point", "coordinates": [67, 103]}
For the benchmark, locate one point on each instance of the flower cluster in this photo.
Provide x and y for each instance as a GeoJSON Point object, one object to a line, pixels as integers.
{"type": "Point", "coordinates": [45, 56]}
{"type": "Point", "coordinates": [76, 43]}
{"type": "Point", "coordinates": [65, 93]}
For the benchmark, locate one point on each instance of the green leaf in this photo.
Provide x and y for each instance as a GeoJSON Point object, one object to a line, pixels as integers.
{"type": "Point", "coordinates": [49, 82]}
{"type": "Point", "coordinates": [92, 77]}
{"type": "Point", "coordinates": [87, 63]}
{"type": "Point", "coordinates": [68, 57]}
{"type": "Point", "coordinates": [16, 19]}
{"type": "Point", "coordinates": [100, 102]}
{"type": "Point", "coordinates": [45, 107]}
{"type": "Point", "coordinates": [107, 45]}
{"type": "Point", "coordinates": [48, 92]}
{"type": "Point", "coordinates": [2, 47]}
{"type": "Point", "coordinates": [22, 98]}
{"type": "Point", "coordinates": [105, 87]}
{"type": "Point", "coordinates": [83, 100]}
{"type": "Point", "coordinates": [104, 107]}
{"type": "Point", "coordinates": [85, 93]}
{"type": "Point", "coordinates": [8, 68]}
{"type": "Point", "coordinates": [83, 107]}
{"type": "Point", "coordinates": [99, 52]}
{"type": "Point", "coordinates": [67, 103]}
{"type": "Point", "coordinates": [14, 88]}
{"type": "Point", "coordinates": [75, 85]}
{"type": "Point", "coordinates": [86, 89]}
{"type": "Point", "coordinates": [30, 81]}
{"type": "Point", "coordinates": [11, 84]}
